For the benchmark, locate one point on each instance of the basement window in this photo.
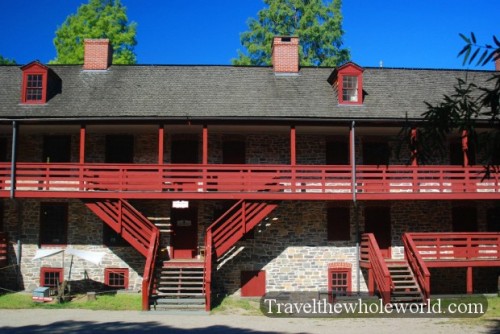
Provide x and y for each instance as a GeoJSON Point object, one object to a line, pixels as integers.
{"type": "Point", "coordinates": [51, 278]}
{"type": "Point", "coordinates": [339, 280]}
{"type": "Point", "coordinates": [116, 278]}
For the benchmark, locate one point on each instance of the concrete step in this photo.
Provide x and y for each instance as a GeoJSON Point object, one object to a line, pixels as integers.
{"type": "Point", "coordinates": [180, 295]}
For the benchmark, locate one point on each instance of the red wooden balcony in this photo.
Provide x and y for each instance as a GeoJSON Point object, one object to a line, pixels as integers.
{"type": "Point", "coordinates": [307, 182]}
{"type": "Point", "coordinates": [4, 248]}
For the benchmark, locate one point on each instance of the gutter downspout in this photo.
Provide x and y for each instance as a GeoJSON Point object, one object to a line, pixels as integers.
{"type": "Point", "coordinates": [13, 160]}
{"type": "Point", "coordinates": [355, 203]}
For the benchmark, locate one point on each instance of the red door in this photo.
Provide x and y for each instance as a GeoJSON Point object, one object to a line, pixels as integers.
{"type": "Point", "coordinates": [185, 233]}
{"type": "Point", "coordinates": [253, 283]}
{"type": "Point", "coordinates": [378, 222]}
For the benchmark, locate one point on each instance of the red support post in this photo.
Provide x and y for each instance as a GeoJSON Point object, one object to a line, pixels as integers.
{"type": "Point", "coordinates": [465, 147]}
{"type": "Point", "coordinates": [371, 282]}
{"type": "Point", "coordinates": [413, 141]}
{"type": "Point", "coordinates": [293, 153]}
{"type": "Point", "coordinates": [205, 145]}
{"type": "Point", "coordinates": [82, 143]}
{"type": "Point", "coordinates": [469, 281]}
{"type": "Point", "coordinates": [161, 140]}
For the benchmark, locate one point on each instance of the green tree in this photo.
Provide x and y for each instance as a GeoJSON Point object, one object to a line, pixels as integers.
{"type": "Point", "coordinates": [472, 107]}
{"type": "Point", "coordinates": [97, 19]}
{"type": "Point", "coordinates": [6, 61]}
{"type": "Point", "coordinates": [317, 23]}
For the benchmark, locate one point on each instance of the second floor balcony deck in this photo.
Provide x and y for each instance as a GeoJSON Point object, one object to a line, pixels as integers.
{"type": "Point", "coordinates": [266, 182]}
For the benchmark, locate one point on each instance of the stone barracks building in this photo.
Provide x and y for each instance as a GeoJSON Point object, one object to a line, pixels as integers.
{"type": "Point", "coordinates": [189, 183]}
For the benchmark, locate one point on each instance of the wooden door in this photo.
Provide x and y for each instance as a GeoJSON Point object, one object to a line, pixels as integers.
{"type": "Point", "coordinates": [185, 233]}
{"type": "Point", "coordinates": [378, 222]}
{"type": "Point", "coordinates": [464, 219]}
{"type": "Point", "coordinates": [253, 283]}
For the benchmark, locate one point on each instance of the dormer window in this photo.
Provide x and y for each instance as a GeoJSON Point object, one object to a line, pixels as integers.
{"type": "Point", "coordinates": [347, 80]}
{"type": "Point", "coordinates": [350, 88]}
{"type": "Point", "coordinates": [34, 89]}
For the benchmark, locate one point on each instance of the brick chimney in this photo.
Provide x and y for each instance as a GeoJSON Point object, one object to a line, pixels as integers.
{"type": "Point", "coordinates": [497, 62]}
{"type": "Point", "coordinates": [285, 54]}
{"type": "Point", "coordinates": [97, 54]}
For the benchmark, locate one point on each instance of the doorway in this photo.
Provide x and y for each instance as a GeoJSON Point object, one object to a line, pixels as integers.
{"type": "Point", "coordinates": [378, 222]}
{"type": "Point", "coordinates": [185, 233]}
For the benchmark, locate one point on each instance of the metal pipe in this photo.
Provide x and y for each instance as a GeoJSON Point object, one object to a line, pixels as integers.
{"type": "Point", "coordinates": [13, 160]}
{"type": "Point", "coordinates": [355, 203]}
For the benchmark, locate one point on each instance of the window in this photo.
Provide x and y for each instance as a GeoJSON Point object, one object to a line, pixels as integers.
{"type": "Point", "coordinates": [116, 278]}
{"type": "Point", "coordinates": [350, 88]}
{"type": "Point", "coordinates": [338, 224]}
{"type": "Point", "coordinates": [339, 279]}
{"type": "Point", "coordinates": [493, 219]}
{"type": "Point", "coordinates": [457, 153]}
{"type": "Point", "coordinates": [337, 153]}
{"type": "Point", "coordinates": [233, 152]}
{"type": "Point", "coordinates": [53, 223]}
{"type": "Point", "coordinates": [51, 278]}
{"type": "Point", "coordinates": [34, 89]}
{"type": "Point", "coordinates": [1, 215]}
{"type": "Point", "coordinates": [347, 80]}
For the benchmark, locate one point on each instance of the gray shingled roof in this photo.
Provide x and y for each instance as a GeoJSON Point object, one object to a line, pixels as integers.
{"type": "Point", "coordinates": [226, 91]}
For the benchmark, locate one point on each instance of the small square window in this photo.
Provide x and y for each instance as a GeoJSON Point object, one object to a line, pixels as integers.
{"type": "Point", "coordinates": [339, 281]}
{"type": "Point", "coordinates": [116, 278]}
{"type": "Point", "coordinates": [350, 88]}
{"type": "Point", "coordinates": [338, 224]}
{"type": "Point", "coordinates": [51, 278]}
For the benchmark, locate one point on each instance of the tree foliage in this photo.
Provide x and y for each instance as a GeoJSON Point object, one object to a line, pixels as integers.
{"type": "Point", "coordinates": [96, 19]}
{"type": "Point", "coordinates": [473, 107]}
{"type": "Point", "coordinates": [317, 23]}
{"type": "Point", "coordinates": [6, 61]}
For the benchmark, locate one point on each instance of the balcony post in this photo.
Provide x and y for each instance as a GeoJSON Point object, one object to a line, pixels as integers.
{"type": "Point", "coordinates": [293, 157]}
{"type": "Point", "coordinates": [465, 147]}
{"type": "Point", "coordinates": [205, 145]}
{"type": "Point", "coordinates": [82, 153]}
{"type": "Point", "coordinates": [161, 140]}
{"type": "Point", "coordinates": [413, 145]}
{"type": "Point", "coordinates": [469, 281]}
{"type": "Point", "coordinates": [82, 143]}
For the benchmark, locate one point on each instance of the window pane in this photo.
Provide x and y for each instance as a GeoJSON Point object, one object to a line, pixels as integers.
{"type": "Point", "coordinates": [350, 89]}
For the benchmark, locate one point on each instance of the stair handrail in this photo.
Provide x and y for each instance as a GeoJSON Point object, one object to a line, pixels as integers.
{"type": "Point", "coordinates": [381, 272]}
{"type": "Point", "coordinates": [207, 273]}
{"type": "Point", "coordinates": [417, 265]}
{"type": "Point", "coordinates": [209, 235]}
{"type": "Point", "coordinates": [149, 269]}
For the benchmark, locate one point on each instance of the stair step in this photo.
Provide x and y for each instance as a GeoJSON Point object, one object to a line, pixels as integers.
{"type": "Point", "coordinates": [406, 299]}
{"type": "Point", "coordinates": [405, 293]}
{"type": "Point", "coordinates": [180, 295]}
{"type": "Point", "coordinates": [181, 301]}
{"type": "Point", "coordinates": [181, 282]}
{"type": "Point", "coordinates": [179, 288]}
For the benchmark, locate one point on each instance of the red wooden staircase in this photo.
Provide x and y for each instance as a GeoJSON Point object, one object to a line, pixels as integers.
{"type": "Point", "coordinates": [223, 234]}
{"type": "Point", "coordinates": [395, 280]}
{"type": "Point", "coordinates": [136, 229]}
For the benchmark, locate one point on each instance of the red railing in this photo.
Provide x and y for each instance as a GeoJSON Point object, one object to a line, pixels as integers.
{"type": "Point", "coordinates": [417, 265]}
{"type": "Point", "coordinates": [303, 179]}
{"type": "Point", "coordinates": [456, 246]}
{"type": "Point", "coordinates": [370, 252]}
{"type": "Point", "coordinates": [136, 229]}
{"type": "Point", "coordinates": [4, 248]}
{"type": "Point", "coordinates": [227, 230]}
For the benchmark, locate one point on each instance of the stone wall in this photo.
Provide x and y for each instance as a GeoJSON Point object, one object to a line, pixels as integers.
{"type": "Point", "coordinates": [85, 230]}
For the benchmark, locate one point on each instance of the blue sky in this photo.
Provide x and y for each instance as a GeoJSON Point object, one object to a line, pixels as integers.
{"type": "Point", "coordinates": [400, 33]}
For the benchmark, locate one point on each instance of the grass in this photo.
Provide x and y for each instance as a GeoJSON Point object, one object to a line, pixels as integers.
{"type": "Point", "coordinates": [112, 302]}
{"type": "Point", "coordinates": [236, 305]}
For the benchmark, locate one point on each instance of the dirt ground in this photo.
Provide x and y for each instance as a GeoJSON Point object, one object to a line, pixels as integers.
{"type": "Point", "coordinates": [87, 321]}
